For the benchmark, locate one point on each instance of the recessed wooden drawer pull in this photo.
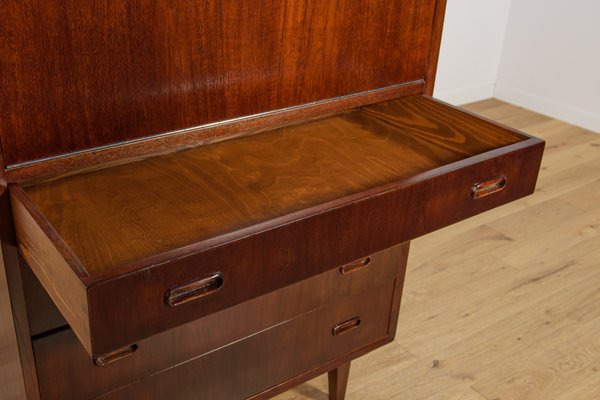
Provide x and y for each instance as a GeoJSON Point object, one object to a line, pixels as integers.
{"type": "Point", "coordinates": [194, 290]}
{"type": "Point", "coordinates": [355, 265]}
{"type": "Point", "coordinates": [486, 188]}
{"type": "Point", "coordinates": [115, 355]}
{"type": "Point", "coordinates": [346, 326]}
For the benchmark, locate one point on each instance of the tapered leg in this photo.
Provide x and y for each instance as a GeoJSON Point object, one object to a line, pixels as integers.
{"type": "Point", "coordinates": [338, 381]}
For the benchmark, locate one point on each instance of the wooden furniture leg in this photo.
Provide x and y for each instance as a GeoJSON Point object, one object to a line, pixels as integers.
{"type": "Point", "coordinates": [338, 381]}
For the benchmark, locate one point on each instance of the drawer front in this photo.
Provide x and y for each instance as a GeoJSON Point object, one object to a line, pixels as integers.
{"type": "Point", "coordinates": [63, 355]}
{"type": "Point", "coordinates": [236, 371]}
{"type": "Point", "coordinates": [260, 263]}
{"type": "Point", "coordinates": [263, 361]}
{"type": "Point", "coordinates": [349, 278]}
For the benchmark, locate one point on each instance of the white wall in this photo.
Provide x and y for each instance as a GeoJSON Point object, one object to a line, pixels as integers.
{"type": "Point", "coordinates": [471, 48]}
{"type": "Point", "coordinates": [543, 55]}
{"type": "Point", "coordinates": [551, 59]}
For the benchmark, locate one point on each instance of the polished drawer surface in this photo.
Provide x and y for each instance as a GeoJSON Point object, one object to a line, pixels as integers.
{"type": "Point", "coordinates": [117, 248]}
{"type": "Point", "coordinates": [235, 371]}
{"type": "Point", "coordinates": [62, 354]}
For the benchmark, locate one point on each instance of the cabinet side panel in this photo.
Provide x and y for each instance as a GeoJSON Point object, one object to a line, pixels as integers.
{"type": "Point", "coordinates": [18, 378]}
{"type": "Point", "coordinates": [11, 377]}
{"type": "Point", "coordinates": [434, 49]}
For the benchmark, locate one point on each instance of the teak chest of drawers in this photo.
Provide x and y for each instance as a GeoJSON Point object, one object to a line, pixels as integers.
{"type": "Point", "coordinates": [152, 258]}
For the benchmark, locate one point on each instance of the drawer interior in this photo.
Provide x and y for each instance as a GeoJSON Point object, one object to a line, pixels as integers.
{"type": "Point", "coordinates": [268, 209]}
{"type": "Point", "coordinates": [119, 215]}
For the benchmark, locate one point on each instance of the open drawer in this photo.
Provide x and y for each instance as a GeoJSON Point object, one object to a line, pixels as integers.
{"type": "Point", "coordinates": [135, 249]}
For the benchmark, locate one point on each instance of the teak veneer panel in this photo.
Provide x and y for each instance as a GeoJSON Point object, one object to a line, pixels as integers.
{"type": "Point", "coordinates": [130, 212]}
{"type": "Point", "coordinates": [79, 74]}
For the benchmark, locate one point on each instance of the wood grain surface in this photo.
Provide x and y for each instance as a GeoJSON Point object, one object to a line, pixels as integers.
{"type": "Point", "coordinates": [122, 152]}
{"type": "Point", "coordinates": [297, 247]}
{"type": "Point", "coordinates": [263, 361]}
{"type": "Point", "coordinates": [62, 355]}
{"type": "Point", "coordinates": [129, 212]}
{"type": "Point", "coordinates": [358, 182]}
{"type": "Point", "coordinates": [51, 265]}
{"type": "Point", "coordinates": [79, 74]}
{"type": "Point", "coordinates": [434, 48]}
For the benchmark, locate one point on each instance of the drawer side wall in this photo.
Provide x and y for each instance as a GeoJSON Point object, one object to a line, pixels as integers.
{"type": "Point", "coordinates": [50, 267]}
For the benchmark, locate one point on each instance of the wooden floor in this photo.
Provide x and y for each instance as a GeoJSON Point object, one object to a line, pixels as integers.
{"type": "Point", "coordinates": [505, 305]}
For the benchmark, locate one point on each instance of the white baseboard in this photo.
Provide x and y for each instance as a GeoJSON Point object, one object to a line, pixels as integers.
{"type": "Point", "coordinates": [466, 95]}
{"type": "Point", "coordinates": [549, 107]}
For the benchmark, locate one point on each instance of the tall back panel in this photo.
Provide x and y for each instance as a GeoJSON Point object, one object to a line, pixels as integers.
{"type": "Point", "coordinates": [80, 74]}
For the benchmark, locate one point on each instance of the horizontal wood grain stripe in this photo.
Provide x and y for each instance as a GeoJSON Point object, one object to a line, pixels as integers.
{"type": "Point", "coordinates": [118, 153]}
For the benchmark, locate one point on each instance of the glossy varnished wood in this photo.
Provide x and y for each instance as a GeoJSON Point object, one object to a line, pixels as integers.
{"type": "Point", "coordinates": [123, 152]}
{"type": "Point", "coordinates": [434, 48]}
{"type": "Point", "coordinates": [62, 355]}
{"type": "Point", "coordinates": [260, 362]}
{"type": "Point", "coordinates": [81, 74]}
{"type": "Point", "coordinates": [379, 169]}
{"type": "Point", "coordinates": [134, 211]}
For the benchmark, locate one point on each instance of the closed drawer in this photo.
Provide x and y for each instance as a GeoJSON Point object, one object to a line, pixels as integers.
{"type": "Point", "coordinates": [346, 327]}
{"type": "Point", "coordinates": [119, 248]}
{"type": "Point", "coordinates": [59, 355]}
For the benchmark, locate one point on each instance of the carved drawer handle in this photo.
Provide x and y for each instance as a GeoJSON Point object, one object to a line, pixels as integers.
{"type": "Point", "coordinates": [355, 266]}
{"type": "Point", "coordinates": [487, 188]}
{"type": "Point", "coordinates": [115, 355]}
{"type": "Point", "coordinates": [346, 326]}
{"type": "Point", "coordinates": [186, 292]}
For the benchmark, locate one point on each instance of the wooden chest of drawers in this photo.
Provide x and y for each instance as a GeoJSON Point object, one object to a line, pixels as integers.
{"type": "Point", "coordinates": [159, 260]}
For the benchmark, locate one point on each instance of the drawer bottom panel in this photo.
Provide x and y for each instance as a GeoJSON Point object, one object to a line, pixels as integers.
{"type": "Point", "coordinates": [253, 365]}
